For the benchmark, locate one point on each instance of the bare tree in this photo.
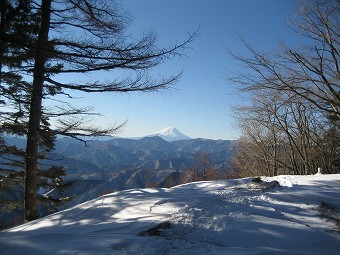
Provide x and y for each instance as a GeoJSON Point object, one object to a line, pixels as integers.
{"type": "Point", "coordinates": [294, 98]}
{"type": "Point", "coordinates": [311, 71]}
{"type": "Point", "coordinates": [283, 134]}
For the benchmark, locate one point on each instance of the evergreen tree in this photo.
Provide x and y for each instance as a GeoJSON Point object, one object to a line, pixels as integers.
{"type": "Point", "coordinates": [78, 38]}
{"type": "Point", "coordinates": [19, 26]}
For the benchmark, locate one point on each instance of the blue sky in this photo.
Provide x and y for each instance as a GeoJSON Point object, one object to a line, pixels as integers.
{"type": "Point", "coordinates": [199, 106]}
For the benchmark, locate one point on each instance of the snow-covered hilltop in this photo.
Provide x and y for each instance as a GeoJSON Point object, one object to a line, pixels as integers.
{"type": "Point", "coordinates": [171, 134]}
{"type": "Point", "coordinates": [278, 215]}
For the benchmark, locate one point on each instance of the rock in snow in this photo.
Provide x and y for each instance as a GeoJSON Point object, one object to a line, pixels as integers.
{"type": "Point", "coordinates": [290, 215]}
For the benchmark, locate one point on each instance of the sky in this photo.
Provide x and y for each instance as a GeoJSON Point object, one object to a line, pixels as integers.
{"type": "Point", "coordinates": [200, 104]}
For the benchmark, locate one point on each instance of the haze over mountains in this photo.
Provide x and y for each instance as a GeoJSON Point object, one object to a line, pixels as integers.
{"type": "Point", "coordinates": [169, 151]}
{"type": "Point", "coordinates": [166, 150]}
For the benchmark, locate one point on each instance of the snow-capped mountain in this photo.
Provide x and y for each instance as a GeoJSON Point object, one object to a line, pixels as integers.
{"type": "Point", "coordinates": [171, 134]}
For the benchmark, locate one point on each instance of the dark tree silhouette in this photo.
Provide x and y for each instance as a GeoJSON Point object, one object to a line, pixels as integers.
{"type": "Point", "coordinates": [78, 39]}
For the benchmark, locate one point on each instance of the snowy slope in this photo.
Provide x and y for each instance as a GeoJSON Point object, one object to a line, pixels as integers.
{"type": "Point", "coordinates": [280, 215]}
{"type": "Point", "coordinates": [171, 134]}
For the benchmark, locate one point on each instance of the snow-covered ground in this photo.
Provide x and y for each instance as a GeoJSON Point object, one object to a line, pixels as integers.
{"type": "Point", "coordinates": [294, 215]}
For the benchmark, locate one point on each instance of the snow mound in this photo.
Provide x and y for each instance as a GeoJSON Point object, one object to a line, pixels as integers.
{"type": "Point", "coordinates": [276, 215]}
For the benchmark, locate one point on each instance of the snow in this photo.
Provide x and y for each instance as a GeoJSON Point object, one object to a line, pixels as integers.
{"type": "Point", "coordinates": [278, 215]}
{"type": "Point", "coordinates": [171, 134]}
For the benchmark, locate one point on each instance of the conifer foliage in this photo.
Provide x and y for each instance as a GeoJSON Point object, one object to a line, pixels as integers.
{"type": "Point", "coordinates": [42, 42]}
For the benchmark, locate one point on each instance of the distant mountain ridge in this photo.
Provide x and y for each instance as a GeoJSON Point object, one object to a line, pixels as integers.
{"type": "Point", "coordinates": [118, 154]}
{"type": "Point", "coordinates": [103, 166]}
{"type": "Point", "coordinates": [120, 163]}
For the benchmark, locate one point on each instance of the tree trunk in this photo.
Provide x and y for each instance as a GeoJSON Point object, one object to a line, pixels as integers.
{"type": "Point", "coordinates": [32, 148]}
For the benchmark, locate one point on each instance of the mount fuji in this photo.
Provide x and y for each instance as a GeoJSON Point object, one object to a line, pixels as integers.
{"type": "Point", "coordinates": [171, 134]}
